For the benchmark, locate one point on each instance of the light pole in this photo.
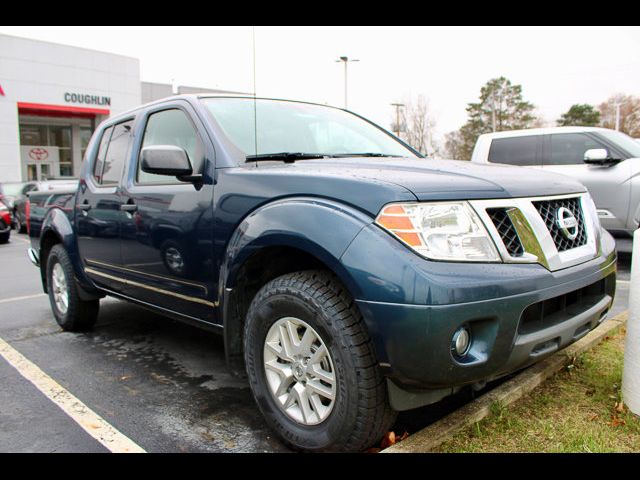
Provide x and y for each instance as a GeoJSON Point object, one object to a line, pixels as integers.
{"type": "Point", "coordinates": [346, 60]}
{"type": "Point", "coordinates": [398, 107]}
{"type": "Point", "coordinates": [618, 116]}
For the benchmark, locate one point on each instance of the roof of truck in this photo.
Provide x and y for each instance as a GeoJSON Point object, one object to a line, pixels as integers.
{"type": "Point", "coordinates": [542, 131]}
{"type": "Point", "coordinates": [196, 96]}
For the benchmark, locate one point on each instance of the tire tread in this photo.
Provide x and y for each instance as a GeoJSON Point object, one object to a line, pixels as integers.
{"type": "Point", "coordinates": [374, 414]}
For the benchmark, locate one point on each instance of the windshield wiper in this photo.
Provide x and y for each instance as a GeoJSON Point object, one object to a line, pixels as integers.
{"type": "Point", "coordinates": [364, 154]}
{"type": "Point", "coordinates": [288, 157]}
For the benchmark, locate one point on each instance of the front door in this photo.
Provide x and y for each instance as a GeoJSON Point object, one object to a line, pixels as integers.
{"type": "Point", "coordinates": [98, 208]}
{"type": "Point", "coordinates": [167, 232]}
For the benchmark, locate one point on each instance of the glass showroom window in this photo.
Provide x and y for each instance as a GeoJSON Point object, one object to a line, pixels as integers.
{"type": "Point", "coordinates": [85, 136]}
{"type": "Point", "coordinates": [58, 136]}
{"type": "Point", "coordinates": [61, 137]}
{"type": "Point", "coordinates": [33, 135]}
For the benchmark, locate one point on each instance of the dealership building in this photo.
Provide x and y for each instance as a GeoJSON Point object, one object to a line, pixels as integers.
{"type": "Point", "coordinates": [53, 96]}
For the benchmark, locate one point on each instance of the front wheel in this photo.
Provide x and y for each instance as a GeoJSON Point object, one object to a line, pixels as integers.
{"type": "Point", "coordinates": [71, 312]}
{"type": "Point", "coordinates": [311, 365]}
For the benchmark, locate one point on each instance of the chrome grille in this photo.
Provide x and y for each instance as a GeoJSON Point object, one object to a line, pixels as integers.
{"type": "Point", "coordinates": [548, 211]}
{"type": "Point", "coordinates": [533, 219]}
{"type": "Point", "coordinates": [507, 231]}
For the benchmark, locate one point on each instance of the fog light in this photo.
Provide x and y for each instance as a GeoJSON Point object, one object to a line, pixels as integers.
{"type": "Point", "coordinates": [461, 341]}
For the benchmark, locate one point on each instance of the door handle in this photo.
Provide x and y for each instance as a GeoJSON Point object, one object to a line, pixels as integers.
{"type": "Point", "coordinates": [129, 207]}
{"type": "Point", "coordinates": [86, 206]}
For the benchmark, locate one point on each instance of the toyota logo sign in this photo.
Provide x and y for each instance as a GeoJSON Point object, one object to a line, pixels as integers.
{"type": "Point", "coordinates": [38, 154]}
{"type": "Point", "coordinates": [567, 223]}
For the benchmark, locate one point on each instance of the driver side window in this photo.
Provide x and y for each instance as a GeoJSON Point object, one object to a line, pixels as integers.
{"type": "Point", "coordinates": [171, 127]}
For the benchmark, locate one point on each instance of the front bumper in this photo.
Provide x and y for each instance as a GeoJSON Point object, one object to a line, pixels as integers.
{"type": "Point", "coordinates": [517, 314]}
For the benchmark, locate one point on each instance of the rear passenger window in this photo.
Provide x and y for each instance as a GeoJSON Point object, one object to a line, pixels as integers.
{"type": "Point", "coordinates": [569, 148]}
{"type": "Point", "coordinates": [171, 127]}
{"type": "Point", "coordinates": [102, 152]}
{"type": "Point", "coordinates": [116, 153]}
{"type": "Point", "coordinates": [515, 151]}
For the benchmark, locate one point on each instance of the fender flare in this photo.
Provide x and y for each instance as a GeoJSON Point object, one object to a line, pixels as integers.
{"type": "Point", "coordinates": [319, 227]}
{"type": "Point", "coordinates": [57, 223]}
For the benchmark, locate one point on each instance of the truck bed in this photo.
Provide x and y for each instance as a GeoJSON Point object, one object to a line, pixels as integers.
{"type": "Point", "coordinates": [43, 202]}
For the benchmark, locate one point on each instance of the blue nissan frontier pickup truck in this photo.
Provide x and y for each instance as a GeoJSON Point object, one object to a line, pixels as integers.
{"type": "Point", "coordinates": [351, 277]}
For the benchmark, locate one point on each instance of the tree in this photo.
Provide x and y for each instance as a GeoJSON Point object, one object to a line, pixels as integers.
{"type": "Point", "coordinates": [629, 113]}
{"type": "Point", "coordinates": [453, 144]}
{"type": "Point", "coordinates": [580, 115]}
{"type": "Point", "coordinates": [416, 125]}
{"type": "Point", "coordinates": [501, 107]}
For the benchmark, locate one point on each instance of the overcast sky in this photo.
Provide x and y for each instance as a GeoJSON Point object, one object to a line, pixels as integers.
{"type": "Point", "coordinates": [557, 67]}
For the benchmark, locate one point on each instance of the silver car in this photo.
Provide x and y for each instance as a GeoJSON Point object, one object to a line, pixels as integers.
{"type": "Point", "coordinates": [607, 162]}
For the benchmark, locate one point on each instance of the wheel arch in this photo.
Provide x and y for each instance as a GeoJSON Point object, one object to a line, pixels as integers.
{"type": "Point", "coordinates": [283, 237]}
{"type": "Point", "coordinates": [57, 229]}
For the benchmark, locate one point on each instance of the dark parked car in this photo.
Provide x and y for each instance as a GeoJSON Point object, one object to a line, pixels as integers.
{"type": "Point", "coordinates": [15, 195]}
{"type": "Point", "coordinates": [350, 277]}
{"type": "Point", "coordinates": [5, 222]}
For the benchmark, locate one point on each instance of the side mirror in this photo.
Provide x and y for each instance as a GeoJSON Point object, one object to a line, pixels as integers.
{"type": "Point", "coordinates": [598, 156]}
{"type": "Point", "coordinates": [166, 160]}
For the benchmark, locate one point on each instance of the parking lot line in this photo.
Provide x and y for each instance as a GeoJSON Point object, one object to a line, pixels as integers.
{"type": "Point", "coordinates": [91, 422]}
{"type": "Point", "coordinates": [25, 297]}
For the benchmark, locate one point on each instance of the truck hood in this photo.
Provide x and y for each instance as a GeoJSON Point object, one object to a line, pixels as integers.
{"type": "Point", "coordinates": [442, 179]}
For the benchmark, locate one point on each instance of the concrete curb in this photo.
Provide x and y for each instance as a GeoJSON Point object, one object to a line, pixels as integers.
{"type": "Point", "coordinates": [435, 434]}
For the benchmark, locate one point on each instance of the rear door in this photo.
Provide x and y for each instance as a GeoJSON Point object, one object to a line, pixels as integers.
{"type": "Point", "coordinates": [608, 184]}
{"type": "Point", "coordinates": [167, 233]}
{"type": "Point", "coordinates": [98, 211]}
{"type": "Point", "coordinates": [525, 151]}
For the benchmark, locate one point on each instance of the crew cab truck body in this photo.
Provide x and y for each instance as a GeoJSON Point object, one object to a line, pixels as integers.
{"type": "Point", "coordinates": [351, 278]}
{"type": "Point", "coordinates": [607, 162]}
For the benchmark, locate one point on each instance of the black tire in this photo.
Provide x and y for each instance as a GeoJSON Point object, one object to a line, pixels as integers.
{"type": "Point", "coordinates": [80, 315]}
{"type": "Point", "coordinates": [4, 236]}
{"type": "Point", "coordinates": [361, 413]}
{"type": "Point", "coordinates": [21, 226]}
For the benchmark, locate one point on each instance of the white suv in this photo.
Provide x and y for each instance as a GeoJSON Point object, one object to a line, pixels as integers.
{"type": "Point", "coordinates": [605, 161]}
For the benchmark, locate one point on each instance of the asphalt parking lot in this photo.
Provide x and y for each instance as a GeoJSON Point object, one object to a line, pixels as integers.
{"type": "Point", "coordinates": [162, 384]}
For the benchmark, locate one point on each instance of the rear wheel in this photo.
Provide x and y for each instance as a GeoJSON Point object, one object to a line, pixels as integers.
{"type": "Point", "coordinates": [5, 232]}
{"type": "Point", "coordinates": [311, 365]}
{"type": "Point", "coordinates": [71, 312]}
{"type": "Point", "coordinates": [20, 225]}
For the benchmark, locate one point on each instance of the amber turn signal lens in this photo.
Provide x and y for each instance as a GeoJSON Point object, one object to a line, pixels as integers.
{"type": "Point", "coordinates": [395, 219]}
{"type": "Point", "coordinates": [395, 223]}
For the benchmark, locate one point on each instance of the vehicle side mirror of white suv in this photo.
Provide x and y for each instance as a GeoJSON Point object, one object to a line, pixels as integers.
{"type": "Point", "coordinates": [598, 156]}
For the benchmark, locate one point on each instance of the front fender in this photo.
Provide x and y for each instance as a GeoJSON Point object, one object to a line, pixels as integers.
{"type": "Point", "coordinates": [319, 227]}
{"type": "Point", "coordinates": [57, 223]}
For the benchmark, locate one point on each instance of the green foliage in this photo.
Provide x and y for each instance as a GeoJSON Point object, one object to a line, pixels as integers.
{"type": "Point", "coordinates": [577, 410]}
{"type": "Point", "coordinates": [580, 115]}
{"type": "Point", "coordinates": [501, 107]}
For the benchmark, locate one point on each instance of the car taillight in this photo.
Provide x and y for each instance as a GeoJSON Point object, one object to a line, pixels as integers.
{"type": "Point", "coordinates": [27, 212]}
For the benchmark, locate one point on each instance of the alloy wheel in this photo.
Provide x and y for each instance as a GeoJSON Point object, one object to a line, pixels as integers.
{"type": "Point", "coordinates": [299, 371]}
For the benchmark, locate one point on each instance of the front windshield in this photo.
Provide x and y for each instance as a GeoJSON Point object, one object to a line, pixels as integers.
{"type": "Point", "coordinates": [623, 140]}
{"type": "Point", "coordinates": [284, 126]}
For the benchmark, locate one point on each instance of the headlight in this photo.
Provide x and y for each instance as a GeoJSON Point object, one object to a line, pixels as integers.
{"type": "Point", "coordinates": [588, 204]}
{"type": "Point", "coordinates": [440, 230]}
